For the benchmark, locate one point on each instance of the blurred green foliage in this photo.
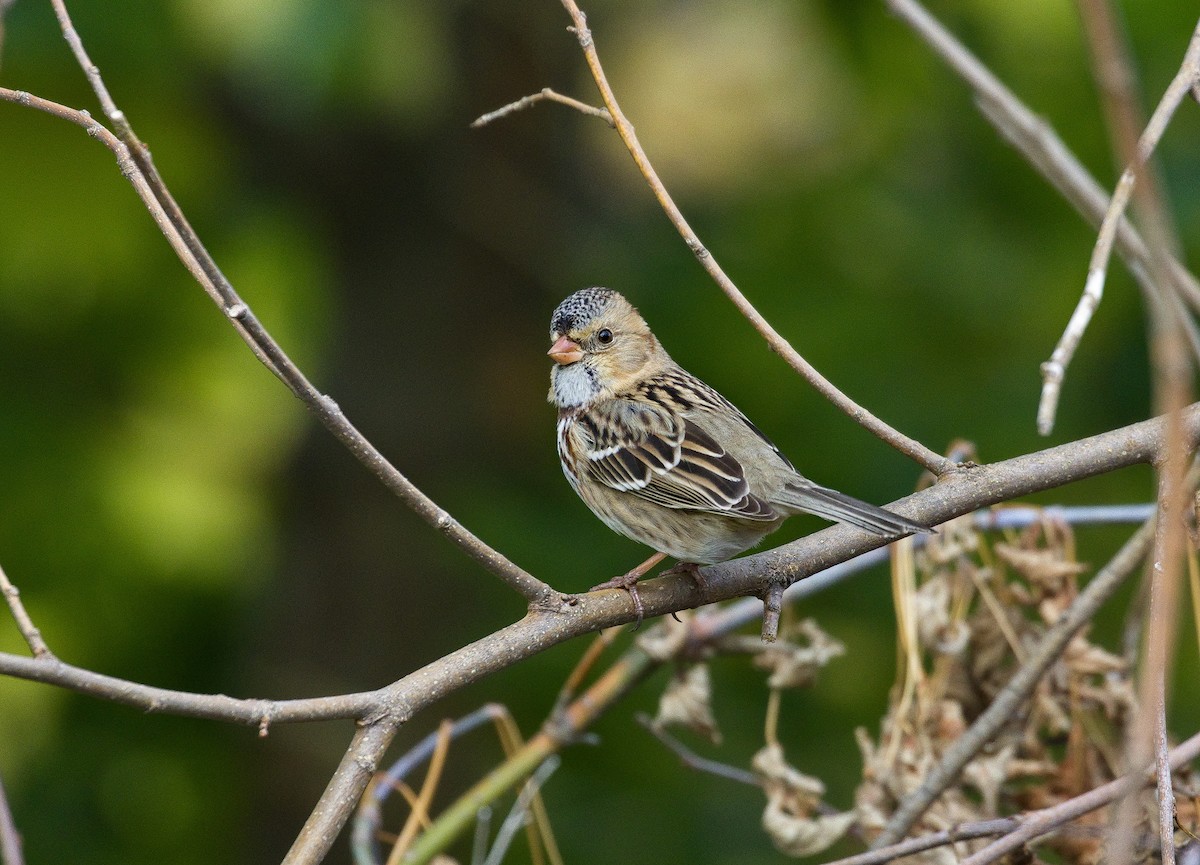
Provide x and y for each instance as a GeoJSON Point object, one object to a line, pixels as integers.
{"type": "Point", "coordinates": [173, 517]}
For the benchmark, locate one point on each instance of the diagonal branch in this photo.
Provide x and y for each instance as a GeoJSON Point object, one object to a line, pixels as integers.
{"type": "Point", "coordinates": [33, 637]}
{"type": "Point", "coordinates": [134, 161]}
{"type": "Point", "coordinates": [1037, 141]}
{"type": "Point", "coordinates": [911, 448]}
{"type": "Point", "coordinates": [1055, 368]}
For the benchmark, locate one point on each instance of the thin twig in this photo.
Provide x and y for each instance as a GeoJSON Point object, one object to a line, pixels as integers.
{"type": "Point", "coordinates": [33, 637]}
{"type": "Point", "coordinates": [931, 840]}
{"type": "Point", "coordinates": [1019, 687]}
{"type": "Point", "coordinates": [691, 760]}
{"type": "Point", "coordinates": [1114, 73]}
{"type": "Point", "coordinates": [544, 94]}
{"type": "Point", "coordinates": [10, 838]}
{"type": "Point", "coordinates": [519, 812]}
{"type": "Point", "coordinates": [1041, 146]}
{"type": "Point", "coordinates": [420, 809]}
{"type": "Point", "coordinates": [1055, 368]}
{"type": "Point", "coordinates": [200, 264]}
{"type": "Point", "coordinates": [911, 448]}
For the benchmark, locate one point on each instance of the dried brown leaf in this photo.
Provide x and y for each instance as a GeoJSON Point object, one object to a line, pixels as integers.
{"type": "Point", "coordinates": [790, 818]}
{"type": "Point", "coordinates": [793, 665]}
{"type": "Point", "coordinates": [687, 702]}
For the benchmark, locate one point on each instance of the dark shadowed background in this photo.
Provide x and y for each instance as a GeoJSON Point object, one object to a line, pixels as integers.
{"type": "Point", "coordinates": [173, 516]}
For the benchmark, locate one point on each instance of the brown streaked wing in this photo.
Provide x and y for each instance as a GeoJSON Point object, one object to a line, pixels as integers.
{"type": "Point", "coordinates": [667, 460]}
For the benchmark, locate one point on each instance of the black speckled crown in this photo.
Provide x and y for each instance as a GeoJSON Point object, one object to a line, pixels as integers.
{"type": "Point", "coordinates": [580, 308]}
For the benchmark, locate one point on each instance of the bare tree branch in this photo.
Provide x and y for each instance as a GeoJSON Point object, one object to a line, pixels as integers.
{"type": "Point", "coordinates": [137, 165]}
{"type": "Point", "coordinates": [544, 94]}
{"type": "Point", "coordinates": [1172, 386]}
{"type": "Point", "coordinates": [1055, 368]}
{"type": "Point", "coordinates": [1040, 145]}
{"type": "Point", "coordinates": [33, 637]}
{"type": "Point", "coordinates": [10, 838]}
{"type": "Point", "coordinates": [911, 448]}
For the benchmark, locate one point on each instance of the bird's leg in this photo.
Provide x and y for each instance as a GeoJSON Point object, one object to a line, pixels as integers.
{"type": "Point", "coordinates": [628, 582]}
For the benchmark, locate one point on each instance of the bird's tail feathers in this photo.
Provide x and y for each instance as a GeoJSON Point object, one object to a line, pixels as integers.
{"type": "Point", "coordinates": [832, 505]}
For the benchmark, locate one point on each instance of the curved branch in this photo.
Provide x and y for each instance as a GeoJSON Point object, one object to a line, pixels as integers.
{"type": "Point", "coordinates": [911, 448]}
{"type": "Point", "coordinates": [49, 670]}
{"type": "Point", "coordinates": [966, 490]}
{"type": "Point", "coordinates": [134, 162]}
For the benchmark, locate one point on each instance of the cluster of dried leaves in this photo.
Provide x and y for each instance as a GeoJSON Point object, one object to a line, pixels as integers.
{"type": "Point", "coordinates": [969, 609]}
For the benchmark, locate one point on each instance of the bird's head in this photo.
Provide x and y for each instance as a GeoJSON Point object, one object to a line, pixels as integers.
{"type": "Point", "coordinates": [601, 346]}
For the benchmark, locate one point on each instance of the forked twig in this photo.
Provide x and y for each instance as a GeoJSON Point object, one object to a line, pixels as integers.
{"type": "Point", "coordinates": [1055, 368]}
{"type": "Point", "coordinates": [1037, 141]}
{"type": "Point", "coordinates": [913, 449]}
{"type": "Point", "coordinates": [544, 94]}
{"type": "Point", "coordinates": [33, 637]}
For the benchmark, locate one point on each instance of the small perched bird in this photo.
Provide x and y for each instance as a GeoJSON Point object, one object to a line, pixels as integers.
{"type": "Point", "coordinates": [664, 459]}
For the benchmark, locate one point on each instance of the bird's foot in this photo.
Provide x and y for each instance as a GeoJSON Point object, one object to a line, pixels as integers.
{"type": "Point", "coordinates": [628, 582]}
{"type": "Point", "coordinates": [688, 569]}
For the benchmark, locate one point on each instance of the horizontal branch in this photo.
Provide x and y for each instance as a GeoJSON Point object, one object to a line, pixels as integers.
{"type": "Point", "coordinates": [381, 712]}
{"type": "Point", "coordinates": [49, 670]}
{"type": "Point", "coordinates": [963, 491]}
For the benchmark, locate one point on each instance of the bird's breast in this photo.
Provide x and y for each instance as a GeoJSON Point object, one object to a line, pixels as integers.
{"type": "Point", "coordinates": [568, 455]}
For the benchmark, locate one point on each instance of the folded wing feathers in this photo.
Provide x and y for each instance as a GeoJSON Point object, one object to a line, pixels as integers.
{"type": "Point", "coordinates": [674, 463]}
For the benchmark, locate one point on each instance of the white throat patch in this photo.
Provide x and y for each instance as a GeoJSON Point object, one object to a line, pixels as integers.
{"type": "Point", "coordinates": [574, 385]}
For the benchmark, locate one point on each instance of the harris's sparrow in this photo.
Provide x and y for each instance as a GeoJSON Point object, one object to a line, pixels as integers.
{"type": "Point", "coordinates": [664, 459]}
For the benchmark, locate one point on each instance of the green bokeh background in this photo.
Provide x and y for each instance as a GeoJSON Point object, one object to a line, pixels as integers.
{"type": "Point", "coordinates": [172, 516]}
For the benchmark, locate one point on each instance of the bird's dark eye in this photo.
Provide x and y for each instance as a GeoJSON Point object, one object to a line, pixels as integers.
{"type": "Point", "coordinates": [605, 336]}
